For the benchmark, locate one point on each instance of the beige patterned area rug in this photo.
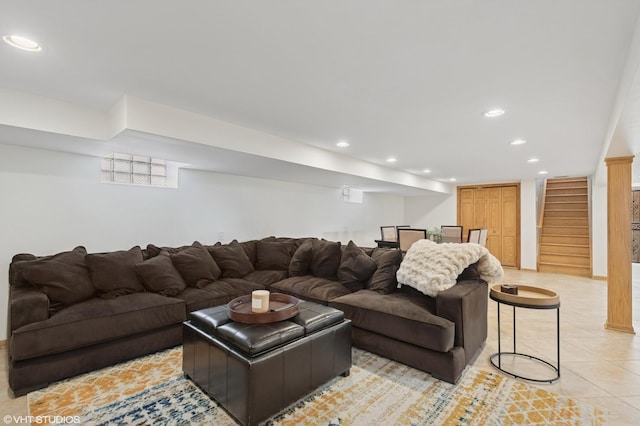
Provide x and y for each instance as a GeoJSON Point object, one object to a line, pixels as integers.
{"type": "Point", "coordinates": [152, 391]}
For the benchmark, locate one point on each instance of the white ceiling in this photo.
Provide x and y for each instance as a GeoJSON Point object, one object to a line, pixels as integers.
{"type": "Point", "coordinates": [408, 79]}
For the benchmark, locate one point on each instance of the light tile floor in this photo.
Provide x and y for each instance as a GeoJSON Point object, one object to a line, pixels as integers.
{"type": "Point", "coordinates": [598, 366]}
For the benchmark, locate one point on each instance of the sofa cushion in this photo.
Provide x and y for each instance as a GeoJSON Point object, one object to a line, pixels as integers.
{"type": "Point", "coordinates": [27, 304]}
{"type": "Point", "coordinates": [325, 259]}
{"type": "Point", "coordinates": [308, 287]}
{"type": "Point", "coordinates": [158, 275]}
{"type": "Point", "coordinates": [266, 278]}
{"type": "Point", "coordinates": [196, 266]}
{"type": "Point", "coordinates": [274, 255]}
{"type": "Point", "coordinates": [113, 274]}
{"type": "Point", "coordinates": [216, 293]}
{"type": "Point", "coordinates": [64, 277]}
{"type": "Point", "coordinates": [398, 315]}
{"type": "Point", "coordinates": [232, 259]}
{"type": "Point", "coordinates": [355, 265]}
{"type": "Point", "coordinates": [153, 250]}
{"type": "Point", "coordinates": [384, 279]}
{"type": "Point", "coordinates": [213, 294]}
{"type": "Point", "coordinates": [95, 321]}
{"type": "Point", "coordinates": [15, 269]}
{"type": "Point", "coordinates": [243, 286]}
{"type": "Point", "coordinates": [301, 259]}
{"type": "Point", "coordinates": [250, 249]}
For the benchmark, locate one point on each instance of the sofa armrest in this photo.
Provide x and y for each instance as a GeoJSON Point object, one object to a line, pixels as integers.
{"type": "Point", "coordinates": [465, 304]}
{"type": "Point", "coordinates": [26, 305]}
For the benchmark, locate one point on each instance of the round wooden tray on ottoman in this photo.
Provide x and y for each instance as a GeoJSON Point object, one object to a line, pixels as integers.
{"type": "Point", "coordinates": [281, 307]}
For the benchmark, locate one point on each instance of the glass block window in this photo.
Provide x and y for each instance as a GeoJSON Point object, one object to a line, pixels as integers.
{"type": "Point", "coordinates": [134, 169]}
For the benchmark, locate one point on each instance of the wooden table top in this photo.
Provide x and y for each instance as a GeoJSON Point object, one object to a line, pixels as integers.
{"type": "Point", "coordinates": [528, 296]}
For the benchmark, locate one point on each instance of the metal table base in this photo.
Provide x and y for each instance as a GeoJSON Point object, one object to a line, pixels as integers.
{"type": "Point", "coordinates": [498, 355]}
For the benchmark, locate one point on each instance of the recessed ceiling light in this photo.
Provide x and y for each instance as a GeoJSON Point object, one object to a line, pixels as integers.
{"type": "Point", "coordinates": [533, 160]}
{"type": "Point", "coordinates": [392, 160]}
{"type": "Point", "coordinates": [543, 172]}
{"type": "Point", "coordinates": [497, 112]}
{"type": "Point", "coordinates": [452, 179]}
{"type": "Point", "coordinates": [518, 142]}
{"type": "Point", "coordinates": [426, 171]}
{"type": "Point", "coordinates": [22, 43]}
{"type": "Point", "coordinates": [342, 144]}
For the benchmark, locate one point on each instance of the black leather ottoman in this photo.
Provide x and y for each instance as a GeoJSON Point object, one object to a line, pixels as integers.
{"type": "Point", "coordinates": [256, 370]}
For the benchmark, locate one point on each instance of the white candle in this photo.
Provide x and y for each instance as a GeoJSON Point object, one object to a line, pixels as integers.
{"type": "Point", "coordinates": [260, 301]}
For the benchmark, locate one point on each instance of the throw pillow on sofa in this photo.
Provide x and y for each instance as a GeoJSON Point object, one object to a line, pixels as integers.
{"type": "Point", "coordinates": [355, 265]}
{"type": "Point", "coordinates": [113, 274]}
{"type": "Point", "coordinates": [196, 265]}
{"type": "Point", "coordinates": [63, 277]}
{"type": "Point", "coordinates": [301, 260]}
{"type": "Point", "coordinates": [158, 275]}
{"type": "Point", "coordinates": [274, 255]}
{"type": "Point", "coordinates": [325, 259]}
{"type": "Point", "coordinates": [250, 248]}
{"type": "Point", "coordinates": [154, 250]}
{"type": "Point", "coordinates": [232, 259]}
{"type": "Point", "coordinates": [384, 279]}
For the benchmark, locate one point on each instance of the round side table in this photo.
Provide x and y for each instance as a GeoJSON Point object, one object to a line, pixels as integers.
{"type": "Point", "coordinates": [530, 298]}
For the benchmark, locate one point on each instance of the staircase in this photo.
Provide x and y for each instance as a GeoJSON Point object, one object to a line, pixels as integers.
{"type": "Point", "coordinates": [564, 240]}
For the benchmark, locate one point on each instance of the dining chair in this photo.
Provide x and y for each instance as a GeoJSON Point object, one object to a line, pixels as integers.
{"type": "Point", "coordinates": [451, 234]}
{"type": "Point", "coordinates": [483, 236]}
{"type": "Point", "coordinates": [408, 236]}
{"type": "Point", "coordinates": [474, 236]}
{"type": "Point", "coordinates": [388, 233]}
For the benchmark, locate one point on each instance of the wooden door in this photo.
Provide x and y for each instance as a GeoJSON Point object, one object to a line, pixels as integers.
{"type": "Point", "coordinates": [493, 221]}
{"type": "Point", "coordinates": [635, 226]}
{"type": "Point", "coordinates": [510, 225]}
{"type": "Point", "coordinates": [497, 208]}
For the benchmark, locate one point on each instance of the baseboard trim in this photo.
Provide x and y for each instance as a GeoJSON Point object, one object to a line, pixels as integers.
{"type": "Point", "coordinates": [528, 270]}
{"type": "Point", "coordinates": [619, 327]}
{"type": "Point", "coordinates": [3, 343]}
{"type": "Point", "coordinates": [599, 277]}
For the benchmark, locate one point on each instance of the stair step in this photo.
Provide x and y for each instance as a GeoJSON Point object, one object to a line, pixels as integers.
{"type": "Point", "coordinates": [580, 231]}
{"type": "Point", "coordinates": [568, 179]}
{"type": "Point", "coordinates": [565, 259]}
{"type": "Point", "coordinates": [565, 239]}
{"type": "Point", "coordinates": [581, 250]}
{"type": "Point", "coordinates": [562, 264]}
{"type": "Point", "coordinates": [562, 253]}
{"type": "Point", "coordinates": [567, 212]}
{"type": "Point", "coordinates": [552, 198]}
{"type": "Point", "coordinates": [565, 245]}
{"type": "Point", "coordinates": [562, 221]}
{"type": "Point", "coordinates": [564, 269]}
{"type": "Point", "coordinates": [553, 186]}
{"type": "Point", "coordinates": [566, 205]}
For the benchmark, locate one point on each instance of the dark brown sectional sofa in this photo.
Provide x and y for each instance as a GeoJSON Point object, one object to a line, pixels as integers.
{"type": "Point", "coordinates": [74, 312]}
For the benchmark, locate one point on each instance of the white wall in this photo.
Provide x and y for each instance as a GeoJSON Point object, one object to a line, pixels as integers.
{"type": "Point", "coordinates": [599, 227]}
{"type": "Point", "coordinates": [528, 225]}
{"type": "Point", "coordinates": [431, 211]}
{"type": "Point", "coordinates": [54, 201]}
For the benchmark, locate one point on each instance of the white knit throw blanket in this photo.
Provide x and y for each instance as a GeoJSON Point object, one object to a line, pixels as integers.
{"type": "Point", "coordinates": [431, 267]}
